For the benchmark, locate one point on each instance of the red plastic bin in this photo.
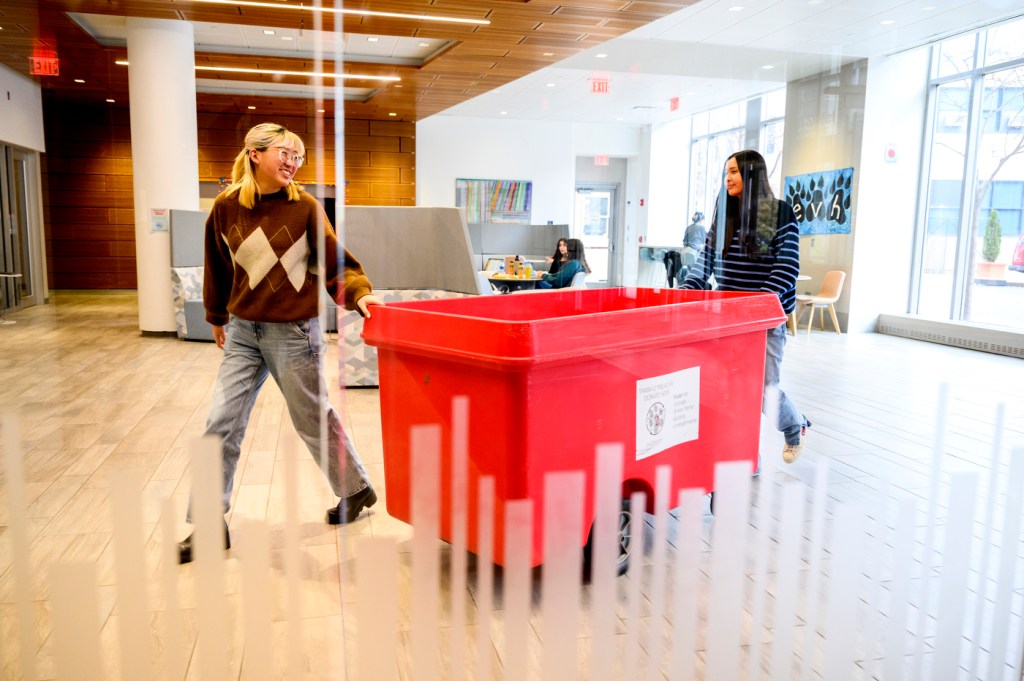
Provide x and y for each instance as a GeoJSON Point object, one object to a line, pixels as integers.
{"type": "Point", "coordinates": [674, 375]}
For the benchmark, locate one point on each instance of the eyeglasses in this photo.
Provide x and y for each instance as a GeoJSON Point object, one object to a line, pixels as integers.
{"type": "Point", "coordinates": [289, 157]}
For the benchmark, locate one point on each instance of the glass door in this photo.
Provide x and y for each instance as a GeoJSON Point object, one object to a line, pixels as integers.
{"type": "Point", "coordinates": [595, 226]}
{"type": "Point", "coordinates": [20, 237]}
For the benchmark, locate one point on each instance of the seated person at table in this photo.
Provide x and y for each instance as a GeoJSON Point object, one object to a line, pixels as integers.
{"type": "Point", "coordinates": [574, 263]}
{"type": "Point", "coordinates": [558, 258]}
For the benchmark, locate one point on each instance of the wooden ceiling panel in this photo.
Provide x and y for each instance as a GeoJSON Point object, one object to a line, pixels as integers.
{"type": "Point", "coordinates": [523, 36]}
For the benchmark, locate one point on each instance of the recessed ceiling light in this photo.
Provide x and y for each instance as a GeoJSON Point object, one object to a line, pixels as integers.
{"type": "Point", "coordinates": [269, 31]}
{"type": "Point", "coordinates": [929, 8]}
{"type": "Point", "coordinates": [251, 108]}
{"type": "Point", "coordinates": [887, 22]}
{"type": "Point", "coordinates": [814, 2]}
{"type": "Point", "coordinates": [551, 85]}
{"type": "Point", "coordinates": [356, 12]}
{"type": "Point", "coordinates": [286, 37]}
{"type": "Point", "coordinates": [601, 55]}
{"type": "Point", "coordinates": [321, 111]}
{"type": "Point", "coordinates": [398, 85]}
{"type": "Point", "coordinates": [79, 80]}
{"type": "Point", "coordinates": [424, 44]}
{"type": "Point", "coordinates": [620, 118]}
{"type": "Point", "coordinates": [736, 8]}
{"type": "Point", "coordinates": [768, 67]}
{"type": "Point", "coordinates": [392, 113]}
{"type": "Point", "coordinates": [504, 113]}
{"type": "Point", "coordinates": [372, 39]}
{"type": "Point", "coordinates": [110, 101]}
{"type": "Point", "coordinates": [549, 54]}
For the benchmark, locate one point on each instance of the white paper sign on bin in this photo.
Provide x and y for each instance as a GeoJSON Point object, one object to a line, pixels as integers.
{"type": "Point", "coordinates": [667, 411]}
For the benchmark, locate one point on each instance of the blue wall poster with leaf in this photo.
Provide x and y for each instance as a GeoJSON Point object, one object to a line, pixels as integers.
{"type": "Point", "coordinates": [821, 201]}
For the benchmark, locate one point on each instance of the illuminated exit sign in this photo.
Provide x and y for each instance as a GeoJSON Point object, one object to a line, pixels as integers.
{"type": "Point", "coordinates": [43, 62]}
{"type": "Point", "coordinates": [599, 86]}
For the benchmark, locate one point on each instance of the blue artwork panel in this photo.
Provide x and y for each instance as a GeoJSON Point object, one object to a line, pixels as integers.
{"type": "Point", "coordinates": [821, 201]}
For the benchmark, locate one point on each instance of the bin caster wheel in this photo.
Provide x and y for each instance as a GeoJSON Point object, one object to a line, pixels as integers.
{"type": "Point", "coordinates": [711, 503]}
{"type": "Point", "coordinates": [624, 541]}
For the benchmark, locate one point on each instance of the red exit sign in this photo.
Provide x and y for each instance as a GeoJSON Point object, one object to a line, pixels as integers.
{"type": "Point", "coordinates": [43, 61]}
{"type": "Point", "coordinates": [599, 86]}
{"type": "Point", "coordinates": [44, 66]}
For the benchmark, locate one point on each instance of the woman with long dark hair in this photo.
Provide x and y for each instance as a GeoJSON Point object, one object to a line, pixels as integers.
{"type": "Point", "coordinates": [575, 262]}
{"type": "Point", "coordinates": [556, 260]}
{"type": "Point", "coordinates": [753, 245]}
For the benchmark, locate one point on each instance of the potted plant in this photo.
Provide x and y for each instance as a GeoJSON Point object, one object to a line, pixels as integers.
{"type": "Point", "coordinates": [990, 271]}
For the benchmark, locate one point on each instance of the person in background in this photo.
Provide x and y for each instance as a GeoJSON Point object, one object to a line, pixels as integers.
{"type": "Point", "coordinates": [261, 293]}
{"type": "Point", "coordinates": [693, 240]}
{"type": "Point", "coordinates": [558, 258]}
{"type": "Point", "coordinates": [573, 263]}
{"type": "Point", "coordinates": [754, 245]}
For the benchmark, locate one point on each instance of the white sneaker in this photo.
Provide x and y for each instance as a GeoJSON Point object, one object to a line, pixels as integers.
{"type": "Point", "coordinates": [791, 453]}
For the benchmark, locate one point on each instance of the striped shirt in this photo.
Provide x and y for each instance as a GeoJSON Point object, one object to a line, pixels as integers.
{"type": "Point", "coordinates": [775, 272]}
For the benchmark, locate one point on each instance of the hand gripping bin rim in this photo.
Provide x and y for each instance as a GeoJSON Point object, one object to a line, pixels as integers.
{"type": "Point", "coordinates": [530, 362]}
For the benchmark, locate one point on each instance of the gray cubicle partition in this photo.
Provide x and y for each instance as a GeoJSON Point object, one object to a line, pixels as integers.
{"type": "Point", "coordinates": [188, 230]}
{"type": "Point", "coordinates": [496, 240]}
{"type": "Point", "coordinates": [412, 247]}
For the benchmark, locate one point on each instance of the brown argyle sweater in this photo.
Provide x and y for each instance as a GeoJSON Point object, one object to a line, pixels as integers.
{"type": "Point", "coordinates": [261, 263]}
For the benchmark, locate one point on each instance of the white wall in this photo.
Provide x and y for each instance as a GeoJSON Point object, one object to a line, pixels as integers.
{"type": "Point", "coordinates": [452, 147]}
{"type": "Point", "coordinates": [887, 202]}
{"type": "Point", "coordinates": [21, 110]}
{"type": "Point", "coordinates": [669, 213]}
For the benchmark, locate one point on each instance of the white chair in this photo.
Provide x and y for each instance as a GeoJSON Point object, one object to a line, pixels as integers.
{"type": "Point", "coordinates": [579, 280]}
{"type": "Point", "coordinates": [831, 288]}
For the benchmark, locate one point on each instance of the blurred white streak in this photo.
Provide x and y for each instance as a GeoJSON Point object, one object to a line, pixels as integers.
{"type": "Point", "coordinates": [1009, 547]}
{"type": "Point", "coordinates": [560, 588]}
{"type": "Point", "coordinates": [208, 545]}
{"type": "Point", "coordinates": [426, 569]}
{"type": "Point", "coordinates": [459, 548]}
{"type": "Point", "coordinates": [603, 558]}
{"type": "Point", "coordinates": [130, 563]}
{"type": "Point", "coordinates": [656, 630]}
{"type": "Point", "coordinates": [956, 562]}
{"type": "Point", "coordinates": [815, 549]}
{"type": "Point", "coordinates": [685, 613]}
{"type": "Point", "coordinates": [254, 547]}
{"type": "Point", "coordinates": [634, 596]}
{"type": "Point", "coordinates": [175, 653]}
{"type": "Point", "coordinates": [76, 629]}
{"type": "Point", "coordinates": [376, 632]}
{"type": "Point", "coordinates": [485, 577]}
{"type": "Point", "coordinates": [843, 616]}
{"type": "Point", "coordinates": [787, 582]}
{"type": "Point", "coordinates": [728, 545]}
{"type": "Point", "coordinates": [516, 578]}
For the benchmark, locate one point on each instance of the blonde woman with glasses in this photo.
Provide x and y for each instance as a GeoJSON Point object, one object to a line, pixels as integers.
{"type": "Point", "coordinates": [261, 293]}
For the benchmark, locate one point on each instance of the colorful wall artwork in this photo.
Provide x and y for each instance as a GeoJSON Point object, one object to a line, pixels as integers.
{"type": "Point", "coordinates": [494, 200]}
{"type": "Point", "coordinates": [821, 201]}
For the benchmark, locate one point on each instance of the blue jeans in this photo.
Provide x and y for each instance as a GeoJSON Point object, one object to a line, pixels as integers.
{"type": "Point", "coordinates": [292, 353]}
{"type": "Point", "coordinates": [790, 420]}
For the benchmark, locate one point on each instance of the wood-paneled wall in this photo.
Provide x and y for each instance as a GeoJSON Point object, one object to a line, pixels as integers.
{"type": "Point", "coordinates": [89, 216]}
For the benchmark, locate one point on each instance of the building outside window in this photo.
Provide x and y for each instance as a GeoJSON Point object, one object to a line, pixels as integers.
{"type": "Point", "coordinates": [975, 178]}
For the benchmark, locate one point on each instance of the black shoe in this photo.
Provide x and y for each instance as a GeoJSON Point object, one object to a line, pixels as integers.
{"type": "Point", "coordinates": [350, 507]}
{"type": "Point", "coordinates": [185, 546]}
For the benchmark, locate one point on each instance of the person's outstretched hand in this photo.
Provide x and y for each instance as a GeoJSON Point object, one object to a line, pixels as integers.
{"type": "Point", "coordinates": [219, 336]}
{"type": "Point", "coordinates": [365, 302]}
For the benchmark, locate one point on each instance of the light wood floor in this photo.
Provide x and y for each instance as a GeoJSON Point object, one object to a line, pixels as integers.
{"type": "Point", "coordinates": [94, 397]}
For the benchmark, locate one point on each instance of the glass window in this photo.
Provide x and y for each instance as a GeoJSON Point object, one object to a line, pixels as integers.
{"type": "Point", "coordinates": [726, 117]}
{"type": "Point", "coordinates": [956, 55]}
{"type": "Point", "coordinates": [773, 105]}
{"type": "Point", "coordinates": [1003, 43]}
{"type": "Point", "coordinates": [953, 104]}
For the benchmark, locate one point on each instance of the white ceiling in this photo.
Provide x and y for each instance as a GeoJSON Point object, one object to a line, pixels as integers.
{"type": "Point", "coordinates": [711, 53]}
{"type": "Point", "coordinates": [720, 51]}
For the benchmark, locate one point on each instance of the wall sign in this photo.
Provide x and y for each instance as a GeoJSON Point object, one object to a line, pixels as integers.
{"type": "Point", "coordinates": [821, 201]}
